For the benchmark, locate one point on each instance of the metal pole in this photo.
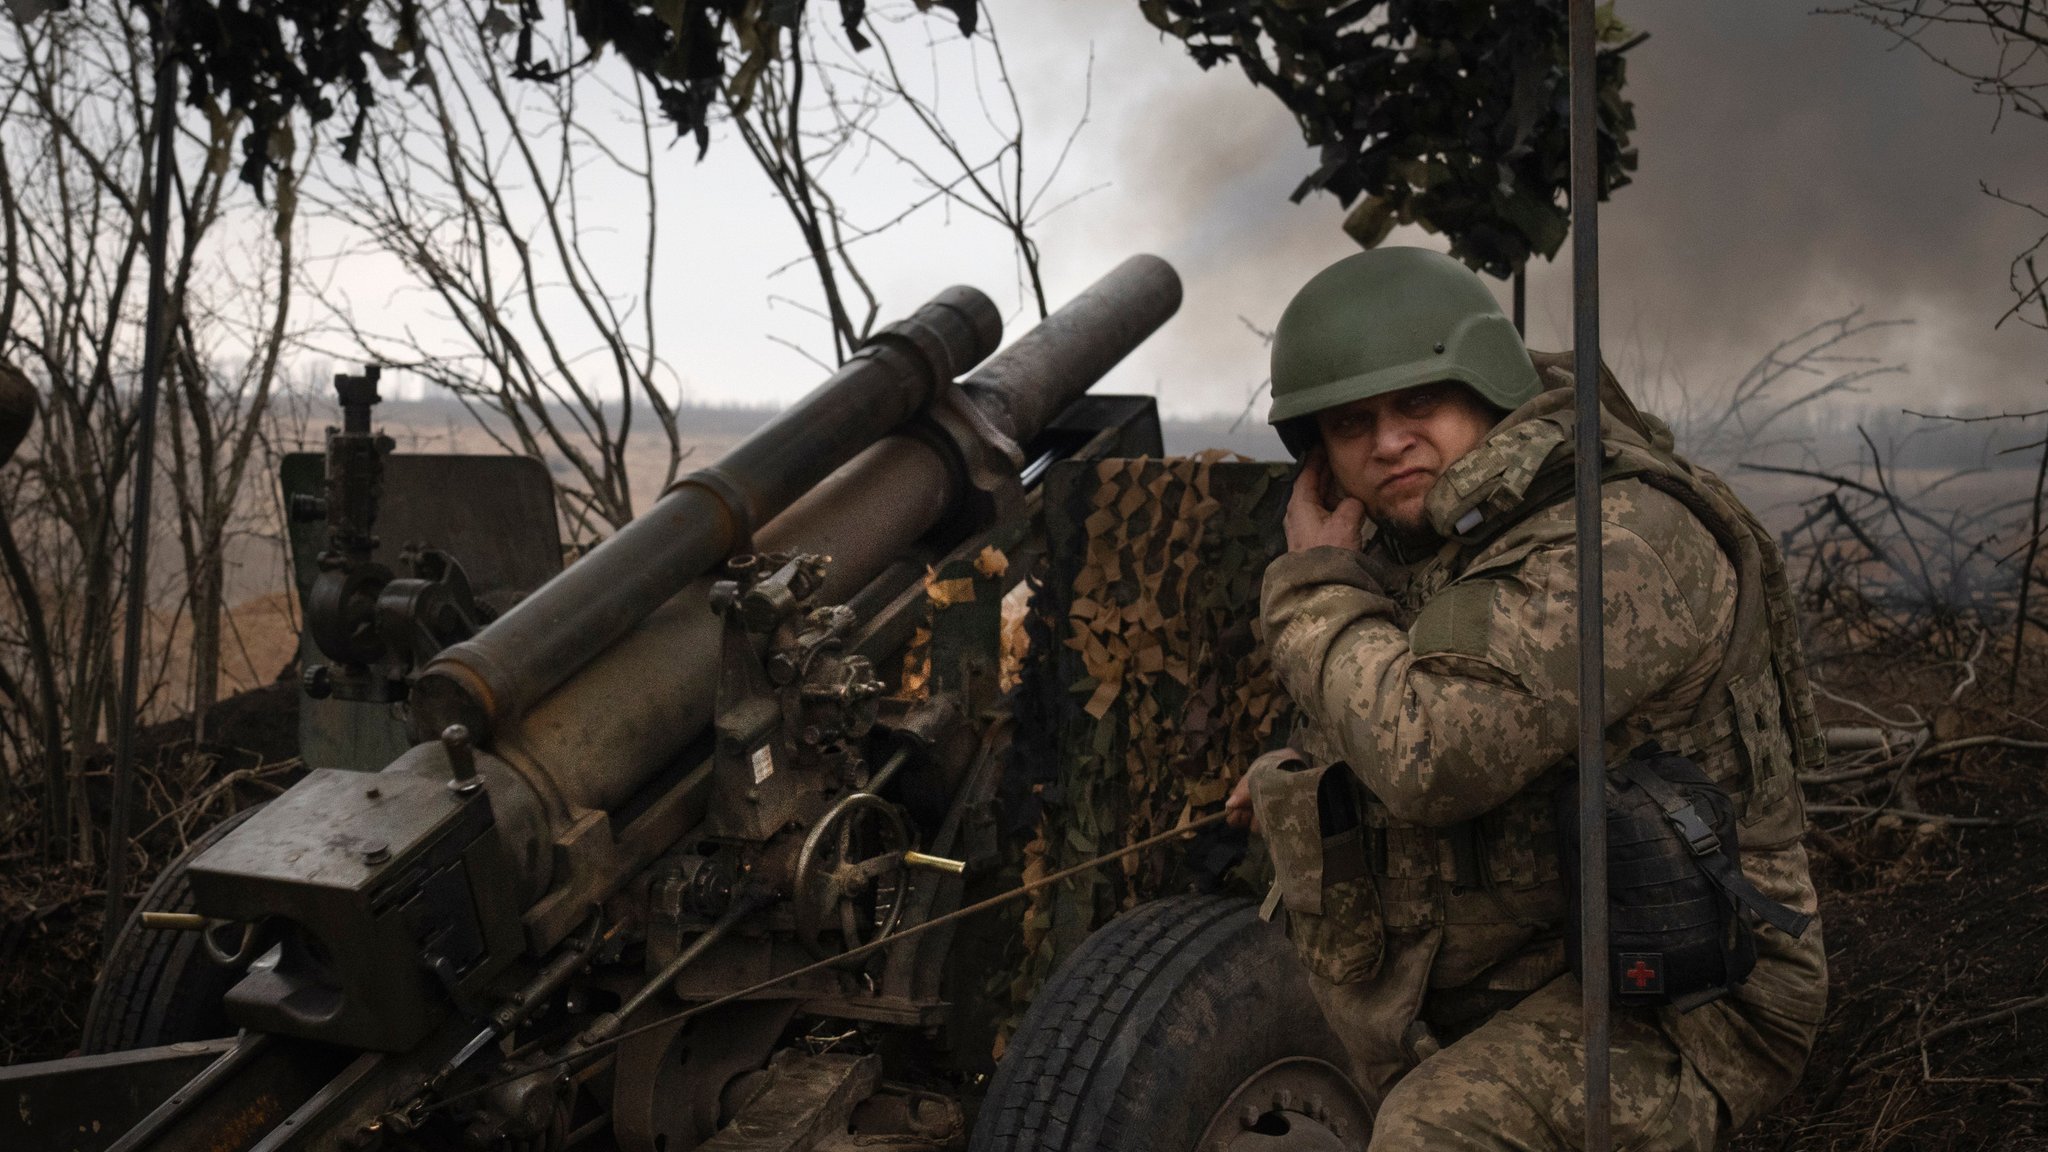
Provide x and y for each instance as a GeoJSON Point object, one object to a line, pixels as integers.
{"type": "Point", "coordinates": [1592, 640]}
{"type": "Point", "coordinates": [145, 465]}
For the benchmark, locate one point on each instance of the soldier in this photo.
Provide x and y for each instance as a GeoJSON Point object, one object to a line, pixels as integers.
{"type": "Point", "coordinates": [1424, 622]}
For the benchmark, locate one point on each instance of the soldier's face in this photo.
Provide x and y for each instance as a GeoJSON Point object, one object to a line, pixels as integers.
{"type": "Point", "coordinates": [1389, 450]}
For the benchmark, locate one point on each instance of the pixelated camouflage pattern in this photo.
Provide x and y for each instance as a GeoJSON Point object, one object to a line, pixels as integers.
{"type": "Point", "coordinates": [1518, 1082]}
{"type": "Point", "coordinates": [1449, 685]}
{"type": "Point", "coordinates": [1348, 941]}
{"type": "Point", "coordinates": [1449, 714]}
{"type": "Point", "coordinates": [1334, 921]}
{"type": "Point", "coordinates": [1286, 802]}
{"type": "Point", "coordinates": [1376, 1018]}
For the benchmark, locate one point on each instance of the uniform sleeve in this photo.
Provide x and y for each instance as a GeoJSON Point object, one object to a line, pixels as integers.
{"type": "Point", "coordinates": [1448, 719]}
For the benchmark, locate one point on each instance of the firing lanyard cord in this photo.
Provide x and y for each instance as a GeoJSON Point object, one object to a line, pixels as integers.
{"type": "Point", "coordinates": [897, 937]}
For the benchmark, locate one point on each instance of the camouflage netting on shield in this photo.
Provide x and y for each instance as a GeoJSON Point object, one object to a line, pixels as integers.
{"type": "Point", "coordinates": [1148, 691]}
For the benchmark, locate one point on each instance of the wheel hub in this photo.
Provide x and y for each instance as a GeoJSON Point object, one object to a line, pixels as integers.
{"type": "Point", "coordinates": [1295, 1105]}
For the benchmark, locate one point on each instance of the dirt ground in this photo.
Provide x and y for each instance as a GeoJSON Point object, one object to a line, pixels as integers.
{"type": "Point", "coordinates": [1937, 1032]}
{"type": "Point", "coordinates": [1932, 940]}
{"type": "Point", "coordinates": [1937, 936]}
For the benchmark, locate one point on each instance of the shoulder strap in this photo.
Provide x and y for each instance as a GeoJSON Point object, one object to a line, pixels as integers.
{"type": "Point", "coordinates": [1766, 633]}
{"type": "Point", "coordinates": [1550, 488]}
{"type": "Point", "coordinates": [1716, 860]}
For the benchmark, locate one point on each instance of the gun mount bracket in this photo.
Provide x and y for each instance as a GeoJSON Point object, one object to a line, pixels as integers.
{"type": "Point", "coordinates": [374, 629]}
{"type": "Point", "coordinates": [990, 461]}
{"type": "Point", "coordinates": [792, 703]}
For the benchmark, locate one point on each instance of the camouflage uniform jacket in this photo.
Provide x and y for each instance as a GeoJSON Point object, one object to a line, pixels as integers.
{"type": "Point", "coordinates": [1448, 685]}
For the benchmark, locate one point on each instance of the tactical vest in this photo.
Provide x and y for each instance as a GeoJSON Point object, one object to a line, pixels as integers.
{"type": "Point", "coordinates": [1760, 703]}
{"type": "Point", "coordinates": [1493, 884]}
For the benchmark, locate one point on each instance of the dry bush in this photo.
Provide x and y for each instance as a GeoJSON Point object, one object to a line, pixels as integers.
{"type": "Point", "coordinates": [1929, 826]}
{"type": "Point", "coordinates": [50, 910]}
{"type": "Point", "coordinates": [75, 180]}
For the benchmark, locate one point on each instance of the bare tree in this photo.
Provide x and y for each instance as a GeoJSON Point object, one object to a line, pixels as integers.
{"type": "Point", "coordinates": [1746, 419]}
{"type": "Point", "coordinates": [74, 111]}
{"type": "Point", "coordinates": [767, 106]}
{"type": "Point", "coordinates": [831, 104]}
{"type": "Point", "coordinates": [994, 180]}
{"type": "Point", "coordinates": [480, 185]}
{"type": "Point", "coordinates": [2001, 48]}
{"type": "Point", "coordinates": [76, 229]}
{"type": "Point", "coordinates": [224, 368]}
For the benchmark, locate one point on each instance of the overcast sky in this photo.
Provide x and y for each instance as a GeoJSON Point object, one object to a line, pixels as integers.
{"type": "Point", "coordinates": [1793, 167]}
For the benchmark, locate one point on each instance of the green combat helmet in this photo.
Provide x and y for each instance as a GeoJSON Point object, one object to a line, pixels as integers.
{"type": "Point", "coordinates": [1389, 319]}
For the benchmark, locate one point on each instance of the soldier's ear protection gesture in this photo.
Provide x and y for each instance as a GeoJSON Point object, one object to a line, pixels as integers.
{"type": "Point", "coordinates": [1317, 515]}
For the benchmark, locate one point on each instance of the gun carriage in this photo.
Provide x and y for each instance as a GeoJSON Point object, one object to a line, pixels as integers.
{"type": "Point", "coordinates": [652, 863]}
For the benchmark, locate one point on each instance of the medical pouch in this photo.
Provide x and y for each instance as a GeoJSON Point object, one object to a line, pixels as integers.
{"type": "Point", "coordinates": [1674, 883]}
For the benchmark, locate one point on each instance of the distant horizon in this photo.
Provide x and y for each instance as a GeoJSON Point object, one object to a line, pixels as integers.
{"type": "Point", "coordinates": [1917, 441]}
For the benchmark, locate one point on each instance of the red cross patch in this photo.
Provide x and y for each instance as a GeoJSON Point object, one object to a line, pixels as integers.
{"type": "Point", "coordinates": [1642, 973]}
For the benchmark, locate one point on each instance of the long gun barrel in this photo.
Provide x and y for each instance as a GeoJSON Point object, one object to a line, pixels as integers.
{"type": "Point", "coordinates": [497, 674]}
{"type": "Point", "coordinates": [631, 711]}
{"type": "Point", "coordinates": [869, 511]}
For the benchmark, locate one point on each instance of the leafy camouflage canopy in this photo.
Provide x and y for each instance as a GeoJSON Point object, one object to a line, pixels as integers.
{"type": "Point", "coordinates": [1450, 114]}
{"type": "Point", "coordinates": [679, 45]}
{"type": "Point", "coordinates": [276, 57]}
{"type": "Point", "coordinates": [271, 59]}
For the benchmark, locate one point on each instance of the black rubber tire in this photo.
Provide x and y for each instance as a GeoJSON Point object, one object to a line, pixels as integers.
{"type": "Point", "coordinates": [1142, 1034]}
{"type": "Point", "coordinates": [160, 987]}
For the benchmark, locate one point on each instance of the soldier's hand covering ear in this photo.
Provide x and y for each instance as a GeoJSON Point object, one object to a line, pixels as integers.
{"type": "Point", "coordinates": [1311, 523]}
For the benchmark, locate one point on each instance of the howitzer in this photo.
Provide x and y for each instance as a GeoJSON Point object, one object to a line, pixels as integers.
{"type": "Point", "coordinates": [683, 764]}
{"type": "Point", "coordinates": [676, 850]}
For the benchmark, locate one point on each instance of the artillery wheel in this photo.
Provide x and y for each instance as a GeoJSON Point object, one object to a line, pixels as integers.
{"type": "Point", "coordinates": [159, 986]}
{"type": "Point", "coordinates": [1186, 1025]}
